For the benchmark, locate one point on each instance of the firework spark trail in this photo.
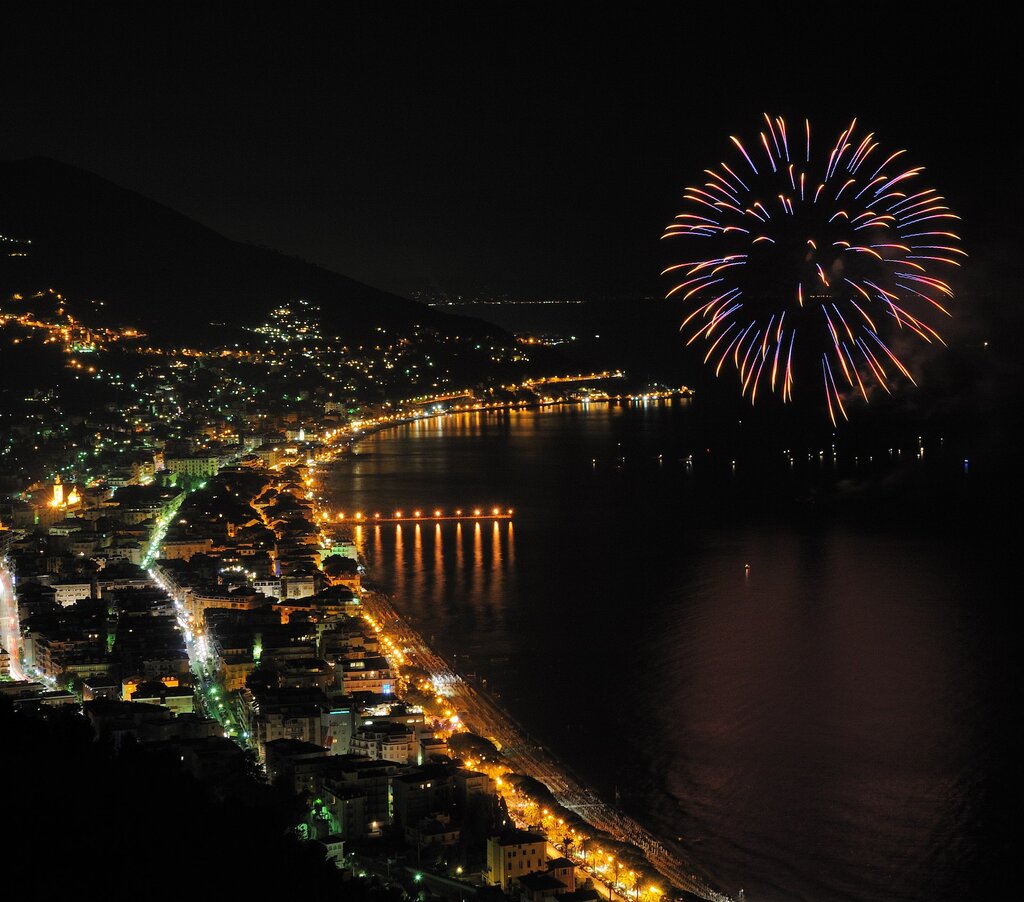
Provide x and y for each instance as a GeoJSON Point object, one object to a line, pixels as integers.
{"type": "Point", "coordinates": [863, 264]}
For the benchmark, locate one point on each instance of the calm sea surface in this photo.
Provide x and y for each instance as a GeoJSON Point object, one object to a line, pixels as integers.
{"type": "Point", "coordinates": [835, 721]}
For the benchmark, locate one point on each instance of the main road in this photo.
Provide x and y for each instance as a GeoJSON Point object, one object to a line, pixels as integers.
{"type": "Point", "coordinates": [10, 628]}
{"type": "Point", "coordinates": [211, 699]}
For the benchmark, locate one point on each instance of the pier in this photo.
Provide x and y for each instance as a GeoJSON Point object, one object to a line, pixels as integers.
{"type": "Point", "coordinates": [362, 518]}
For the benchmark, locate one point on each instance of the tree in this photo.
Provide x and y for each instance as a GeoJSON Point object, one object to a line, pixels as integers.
{"type": "Point", "coordinates": [471, 745]}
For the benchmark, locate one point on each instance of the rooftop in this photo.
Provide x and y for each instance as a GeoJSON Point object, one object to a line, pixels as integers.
{"type": "Point", "coordinates": [518, 838]}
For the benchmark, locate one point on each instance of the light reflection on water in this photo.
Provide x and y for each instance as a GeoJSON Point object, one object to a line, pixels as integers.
{"type": "Point", "coordinates": [439, 567]}
{"type": "Point", "coordinates": [818, 725]}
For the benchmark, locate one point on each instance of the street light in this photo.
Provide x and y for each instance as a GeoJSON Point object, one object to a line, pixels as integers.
{"type": "Point", "coordinates": [615, 864]}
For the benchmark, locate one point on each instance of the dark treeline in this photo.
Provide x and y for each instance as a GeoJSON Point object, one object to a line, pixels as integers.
{"type": "Point", "coordinates": [81, 818]}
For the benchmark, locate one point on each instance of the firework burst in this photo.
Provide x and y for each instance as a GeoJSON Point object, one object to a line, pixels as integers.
{"type": "Point", "coordinates": [839, 246]}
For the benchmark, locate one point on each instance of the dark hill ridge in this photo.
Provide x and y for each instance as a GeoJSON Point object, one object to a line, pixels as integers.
{"type": "Point", "coordinates": [163, 272]}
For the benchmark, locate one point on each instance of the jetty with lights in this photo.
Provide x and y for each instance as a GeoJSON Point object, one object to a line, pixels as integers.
{"type": "Point", "coordinates": [418, 515]}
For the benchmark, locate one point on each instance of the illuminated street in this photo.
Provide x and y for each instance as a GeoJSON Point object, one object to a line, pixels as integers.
{"type": "Point", "coordinates": [487, 719]}
{"type": "Point", "coordinates": [10, 630]}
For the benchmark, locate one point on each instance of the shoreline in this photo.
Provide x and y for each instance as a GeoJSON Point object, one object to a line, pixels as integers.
{"type": "Point", "coordinates": [494, 407]}
{"type": "Point", "coordinates": [489, 718]}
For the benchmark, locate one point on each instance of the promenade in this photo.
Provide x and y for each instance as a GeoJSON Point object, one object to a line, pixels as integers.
{"type": "Point", "coordinates": [486, 718]}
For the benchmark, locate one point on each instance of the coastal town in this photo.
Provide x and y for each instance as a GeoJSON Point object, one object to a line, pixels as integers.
{"type": "Point", "coordinates": [495, 453]}
{"type": "Point", "coordinates": [184, 585]}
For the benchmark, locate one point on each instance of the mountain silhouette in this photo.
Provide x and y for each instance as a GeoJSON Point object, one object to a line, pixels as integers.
{"type": "Point", "coordinates": [174, 278]}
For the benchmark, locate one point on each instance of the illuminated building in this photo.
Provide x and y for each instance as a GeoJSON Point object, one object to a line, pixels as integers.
{"type": "Point", "coordinates": [269, 587]}
{"type": "Point", "coordinates": [241, 599]}
{"type": "Point", "coordinates": [194, 465]}
{"type": "Point", "coordinates": [371, 674]}
{"type": "Point", "coordinates": [235, 670]}
{"type": "Point", "coordinates": [69, 591]}
{"type": "Point", "coordinates": [386, 742]}
{"type": "Point", "coordinates": [179, 699]}
{"type": "Point", "coordinates": [512, 855]}
{"type": "Point", "coordinates": [183, 549]}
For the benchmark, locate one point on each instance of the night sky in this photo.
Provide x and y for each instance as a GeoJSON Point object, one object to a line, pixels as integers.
{"type": "Point", "coordinates": [508, 150]}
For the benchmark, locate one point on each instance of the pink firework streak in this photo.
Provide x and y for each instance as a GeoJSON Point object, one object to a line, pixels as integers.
{"type": "Point", "coordinates": [841, 237]}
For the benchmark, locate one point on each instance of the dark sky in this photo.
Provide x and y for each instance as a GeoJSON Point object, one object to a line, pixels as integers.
{"type": "Point", "coordinates": [502, 149]}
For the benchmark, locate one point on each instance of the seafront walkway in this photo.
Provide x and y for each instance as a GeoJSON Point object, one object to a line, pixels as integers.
{"type": "Point", "coordinates": [486, 718]}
